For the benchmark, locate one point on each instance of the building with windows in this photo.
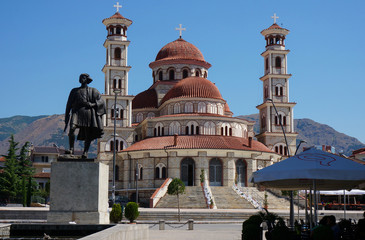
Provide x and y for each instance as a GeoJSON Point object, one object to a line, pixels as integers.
{"type": "Point", "coordinates": [181, 124]}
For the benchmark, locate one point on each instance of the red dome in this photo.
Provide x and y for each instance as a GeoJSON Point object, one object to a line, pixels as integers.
{"type": "Point", "coordinates": [180, 51]}
{"type": "Point", "coordinates": [193, 87]}
{"type": "Point", "coordinates": [146, 99]}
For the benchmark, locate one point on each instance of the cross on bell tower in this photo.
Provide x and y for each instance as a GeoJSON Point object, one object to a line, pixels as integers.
{"type": "Point", "coordinates": [274, 17]}
{"type": "Point", "coordinates": [117, 6]}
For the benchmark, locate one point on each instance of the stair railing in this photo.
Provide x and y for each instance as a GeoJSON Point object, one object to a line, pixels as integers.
{"type": "Point", "coordinates": [251, 196]}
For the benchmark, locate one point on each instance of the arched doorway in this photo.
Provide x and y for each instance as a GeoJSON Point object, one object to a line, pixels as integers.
{"type": "Point", "coordinates": [241, 173]}
{"type": "Point", "coordinates": [187, 171]}
{"type": "Point", "coordinates": [215, 172]}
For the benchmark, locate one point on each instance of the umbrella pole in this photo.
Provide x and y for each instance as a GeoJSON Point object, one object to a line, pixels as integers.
{"type": "Point", "coordinates": [306, 208]}
{"type": "Point", "coordinates": [291, 210]}
{"type": "Point", "coordinates": [315, 203]}
{"type": "Point", "coordinates": [344, 204]}
{"type": "Point", "coordinates": [311, 212]}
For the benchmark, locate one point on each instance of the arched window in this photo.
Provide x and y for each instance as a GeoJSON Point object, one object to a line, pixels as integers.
{"type": "Point", "coordinates": [176, 108]}
{"type": "Point", "coordinates": [160, 171]}
{"type": "Point", "coordinates": [277, 149]}
{"type": "Point", "coordinates": [185, 73]}
{"type": "Point", "coordinates": [118, 31]}
{"type": "Point", "coordinates": [111, 29]}
{"type": "Point", "coordinates": [160, 75]}
{"type": "Point", "coordinates": [202, 107]}
{"type": "Point", "coordinates": [197, 73]}
{"type": "Point", "coordinates": [171, 74]}
{"type": "Point", "coordinates": [278, 62]}
{"type": "Point", "coordinates": [150, 115]}
{"type": "Point", "coordinates": [119, 145]}
{"type": "Point", "coordinates": [209, 128]}
{"type": "Point", "coordinates": [120, 83]}
{"type": "Point", "coordinates": [205, 75]}
{"type": "Point", "coordinates": [188, 107]}
{"type": "Point", "coordinates": [117, 53]}
{"type": "Point", "coordinates": [266, 92]}
{"type": "Point", "coordinates": [140, 172]}
{"type": "Point", "coordinates": [284, 120]}
{"type": "Point", "coordinates": [220, 109]}
{"type": "Point", "coordinates": [192, 128]}
{"type": "Point", "coordinates": [280, 91]}
{"type": "Point", "coordinates": [139, 117]}
{"type": "Point", "coordinates": [197, 130]}
{"type": "Point", "coordinates": [158, 129]}
{"type": "Point", "coordinates": [114, 83]}
{"type": "Point", "coordinates": [267, 63]}
{"type": "Point", "coordinates": [263, 121]}
{"type": "Point", "coordinates": [174, 128]}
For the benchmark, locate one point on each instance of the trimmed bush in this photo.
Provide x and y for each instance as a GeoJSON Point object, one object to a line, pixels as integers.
{"type": "Point", "coordinates": [131, 211]}
{"type": "Point", "coordinates": [116, 213]}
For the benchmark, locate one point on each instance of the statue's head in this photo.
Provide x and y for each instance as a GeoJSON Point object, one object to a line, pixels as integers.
{"type": "Point", "coordinates": [84, 77]}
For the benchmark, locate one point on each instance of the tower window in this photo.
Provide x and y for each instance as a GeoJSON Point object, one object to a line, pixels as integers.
{"type": "Point", "coordinates": [197, 130]}
{"type": "Point", "coordinates": [278, 62]}
{"type": "Point", "coordinates": [171, 75]}
{"type": "Point", "coordinates": [205, 75]}
{"type": "Point", "coordinates": [114, 83]}
{"type": "Point", "coordinates": [118, 30]}
{"type": "Point", "coordinates": [185, 73]}
{"type": "Point", "coordinates": [197, 73]}
{"type": "Point", "coordinates": [267, 63]}
{"type": "Point", "coordinates": [160, 75]}
{"type": "Point", "coordinates": [120, 83]}
{"type": "Point", "coordinates": [111, 31]}
{"type": "Point", "coordinates": [117, 53]}
{"type": "Point", "coordinates": [284, 120]}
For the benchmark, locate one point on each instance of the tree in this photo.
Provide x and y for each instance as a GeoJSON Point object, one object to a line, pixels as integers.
{"type": "Point", "coordinates": [9, 178]}
{"type": "Point", "coordinates": [176, 187]}
{"type": "Point", "coordinates": [16, 171]}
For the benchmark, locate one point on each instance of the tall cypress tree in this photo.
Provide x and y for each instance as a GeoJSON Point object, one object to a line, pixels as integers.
{"type": "Point", "coordinates": [9, 178]}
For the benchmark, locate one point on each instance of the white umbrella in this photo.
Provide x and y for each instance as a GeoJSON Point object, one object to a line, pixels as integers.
{"type": "Point", "coordinates": [312, 168]}
{"type": "Point", "coordinates": [330, 172]}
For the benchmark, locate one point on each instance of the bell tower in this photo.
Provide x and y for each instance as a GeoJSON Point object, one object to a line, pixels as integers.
{"type": "Point", "coordinates": [276, 93]}
{"type": "Point", "coordinates": [117, 100]}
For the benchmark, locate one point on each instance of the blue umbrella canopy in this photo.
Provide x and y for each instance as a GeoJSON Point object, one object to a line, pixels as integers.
{"type": "Point", "coordinates": [329, 171]}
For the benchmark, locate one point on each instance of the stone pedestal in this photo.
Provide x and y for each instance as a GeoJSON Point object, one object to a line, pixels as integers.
{"type": "Point", "coordinates": [79, 192]}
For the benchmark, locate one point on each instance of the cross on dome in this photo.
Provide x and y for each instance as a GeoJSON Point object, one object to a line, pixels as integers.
{"type": "Point", "coordinates": [274, 17]}
{"type": "Point", "coordinates": [180, 29]}
{"type": "Point", "coordinates": [117, 6]}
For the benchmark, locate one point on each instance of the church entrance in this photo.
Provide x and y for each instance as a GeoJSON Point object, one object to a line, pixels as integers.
{"type": "Point", "coordinates": [241, 173]}
{"type": "Point", "coordinates": [215, 172]}
{"type": "Point", "coordinates": [187, 171]}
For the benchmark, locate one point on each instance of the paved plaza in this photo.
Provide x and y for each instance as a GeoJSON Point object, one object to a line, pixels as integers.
{"type": "Point", "coordinates": [201, 231]}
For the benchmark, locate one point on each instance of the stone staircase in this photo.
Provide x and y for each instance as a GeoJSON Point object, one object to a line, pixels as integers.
{"type": "Point", "coordinates": [193, 198]}
{"type": "Point", "coordinates": [274, 202]}
{"type": "Point", "coordinates": [226, 198]}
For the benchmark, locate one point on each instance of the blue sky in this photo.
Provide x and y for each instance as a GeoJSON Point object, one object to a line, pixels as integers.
{"type": "Point", "coordinates": [46, 44]}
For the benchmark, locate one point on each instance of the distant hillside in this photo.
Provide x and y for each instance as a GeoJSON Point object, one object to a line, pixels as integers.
{"type": "Point", "coordinates": [44, 131]}
{"type": "Point", "coordinates": [15, 124]}
{"type": "Point", "coordinates": [317, 134]}
{"type": "Point", "coordinates": [48, 130]}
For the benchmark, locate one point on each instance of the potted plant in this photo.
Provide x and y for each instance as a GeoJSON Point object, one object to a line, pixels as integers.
{"type": "Point", "coordinates": [202, 177]}
{"type": "Point", "coordinates": [131, 211]}
{"type": "Point", "coordinates": [211, 204]}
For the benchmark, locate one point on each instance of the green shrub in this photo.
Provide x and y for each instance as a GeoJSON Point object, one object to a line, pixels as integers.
{"type": "Point", "coordinates": [131, 211]}
{"type": "Point", "coordinates": [116, 213]}
{"type": "Point", "coordinates": [251, 229]}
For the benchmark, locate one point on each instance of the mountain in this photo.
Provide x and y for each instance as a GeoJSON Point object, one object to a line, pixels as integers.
{"type": "Point", "coordinates": [40, 131]}
{"type": "Point", "coordinates": [315, 133]}
{"type": "Point", "coordinates": [48, 130]}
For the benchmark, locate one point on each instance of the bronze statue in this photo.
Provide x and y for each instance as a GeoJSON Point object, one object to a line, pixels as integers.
{"type": "Point", "coordinates": [86, 108]}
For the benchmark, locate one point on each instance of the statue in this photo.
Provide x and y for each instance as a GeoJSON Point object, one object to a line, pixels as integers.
{"type": "Point", "coordinates": [86, 108]}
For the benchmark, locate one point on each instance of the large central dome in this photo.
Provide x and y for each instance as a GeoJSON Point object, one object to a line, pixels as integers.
{"type": "Point", "coordinates": [180, 51]}
{"type": "Point", "coordinates": [193, 87]}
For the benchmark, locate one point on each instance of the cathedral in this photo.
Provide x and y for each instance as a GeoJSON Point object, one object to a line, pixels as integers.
{"type": "Point", "coordinates": [181, 126]}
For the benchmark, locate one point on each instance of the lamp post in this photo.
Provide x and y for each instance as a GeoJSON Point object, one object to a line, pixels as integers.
{"type": "Point", "coordinates": [116, 91]}
{"type": "Point", "coordinates": [301, 141]}
{"type": "Point", "coordinates": [291, 218]}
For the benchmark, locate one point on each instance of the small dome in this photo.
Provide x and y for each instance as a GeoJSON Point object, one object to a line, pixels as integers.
{"type": "Point", "coordinates": [180, 51]}
{"type": "Point", "coordinates": [145, 99]}
{"type": "Point", "coordinates": [193, 87]}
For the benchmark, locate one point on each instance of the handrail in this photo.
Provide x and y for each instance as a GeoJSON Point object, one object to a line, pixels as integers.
{"type": "Point", "coordinates": [159, 193]}
{"type": "Point", "coordinates": [250, 196]}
